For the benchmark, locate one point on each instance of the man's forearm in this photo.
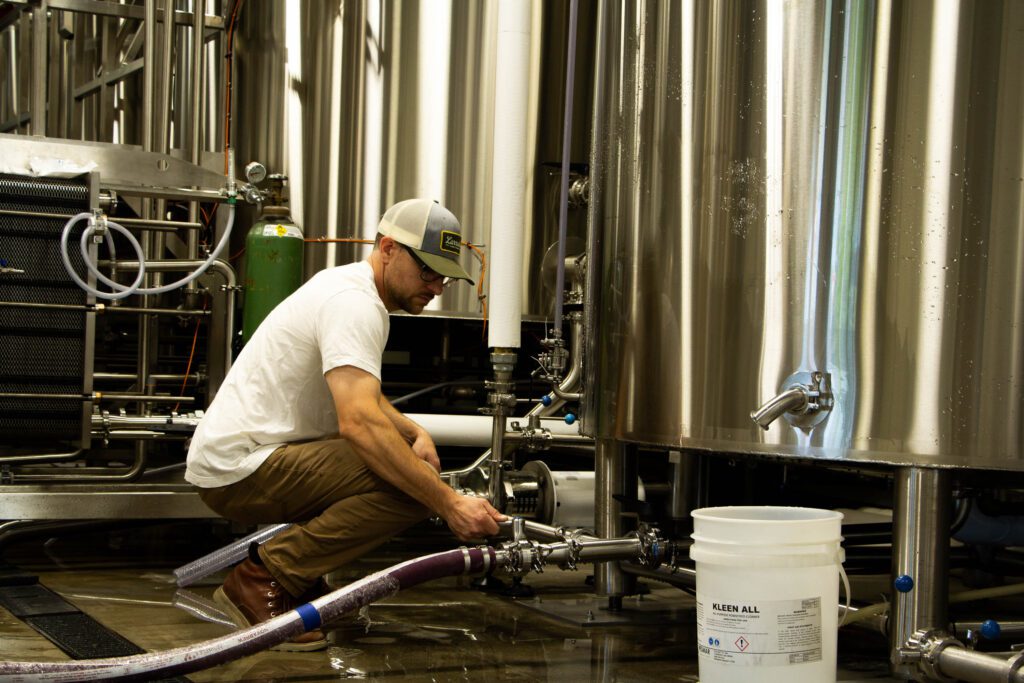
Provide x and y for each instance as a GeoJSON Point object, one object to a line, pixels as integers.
{"type": "Point", "coordinates": [378, 441]}
{"type": "Point", "coordinates": [406, 427]}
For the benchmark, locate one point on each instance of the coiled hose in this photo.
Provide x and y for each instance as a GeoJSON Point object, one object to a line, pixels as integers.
{"type": "Point", "coordinates": [122, 291]}
{"type": "Point", "coordinates": [248, 641]}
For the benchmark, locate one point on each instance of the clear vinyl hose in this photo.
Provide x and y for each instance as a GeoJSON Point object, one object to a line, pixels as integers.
{"type": "Point", "coordinates": [122, 291]}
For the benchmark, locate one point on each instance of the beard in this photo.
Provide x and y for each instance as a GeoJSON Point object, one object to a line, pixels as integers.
{"type": "Point", "coordinates": [412, 303]}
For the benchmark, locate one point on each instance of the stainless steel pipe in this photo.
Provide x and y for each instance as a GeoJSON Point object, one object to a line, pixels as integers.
{"type": "Point", "coordinates": [609, 456]}
{"type": "Point", "coordinates": [961, 664]}
{"type": "Point", "coordinates": [921, 519]}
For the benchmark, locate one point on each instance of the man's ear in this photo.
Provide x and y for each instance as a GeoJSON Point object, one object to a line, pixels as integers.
{"type": "Point", "coordinates": [389, 248]}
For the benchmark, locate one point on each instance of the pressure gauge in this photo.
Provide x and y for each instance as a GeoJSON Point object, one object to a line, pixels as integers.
{"type": "Point", "coordinates": [255, 172]}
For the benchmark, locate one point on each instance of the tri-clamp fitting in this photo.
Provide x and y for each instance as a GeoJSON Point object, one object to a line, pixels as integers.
{"type": "Point", "coordinates": [568, 549]}
{"type": "Point", "coordinates": [98, 226]}
{"type": "Point", "coordinates": [924, 649]}
{"type": "Point", "coordinates": [805, 401]}
{"type": "Point", "coordinates": [501, 399]}
{"type": "Point", "coordinates": [533, 437]}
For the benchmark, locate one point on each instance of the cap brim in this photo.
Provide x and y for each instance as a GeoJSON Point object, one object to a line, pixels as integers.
{"type": "Point", "coordinates": [443, 266]}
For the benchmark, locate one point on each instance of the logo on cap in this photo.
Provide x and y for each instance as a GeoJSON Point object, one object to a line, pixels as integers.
{"type": "Point", "coordinates": [451, 242]}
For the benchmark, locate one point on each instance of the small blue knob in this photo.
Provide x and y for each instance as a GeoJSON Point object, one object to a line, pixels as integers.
{"type": "Point", "coordinates": [904, 584]}
{"type": "Point", "coordinates": [569, 418]}
{"type": "Point", "coordinates": [990, 629]}
{"type": "Point", "coordinates": [545, 399]}
{"type": "Point", "coordinates": [3, 263]}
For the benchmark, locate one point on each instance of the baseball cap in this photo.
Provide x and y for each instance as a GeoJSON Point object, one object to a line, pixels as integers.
{"type": "Point", "coordinates": [431, 231]}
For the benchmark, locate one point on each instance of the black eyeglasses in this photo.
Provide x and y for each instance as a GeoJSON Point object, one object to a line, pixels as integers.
{"type": "Point", "coordinates": [428, 274]}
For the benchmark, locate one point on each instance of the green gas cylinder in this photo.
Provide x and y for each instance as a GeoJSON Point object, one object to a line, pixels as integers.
{"type": "Point", "coordinates": [273, 265]}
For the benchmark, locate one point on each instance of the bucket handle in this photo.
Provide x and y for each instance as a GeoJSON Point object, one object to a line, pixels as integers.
{"type": "Point", "coordinates": [846, 588]}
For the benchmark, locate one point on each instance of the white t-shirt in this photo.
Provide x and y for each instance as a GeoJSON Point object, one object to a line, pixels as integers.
{"type": "Point", "coordinates": [275, 393]}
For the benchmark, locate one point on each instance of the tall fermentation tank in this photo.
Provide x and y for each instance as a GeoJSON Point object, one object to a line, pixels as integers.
{"type": "Point", "coordinates": [795, 187]}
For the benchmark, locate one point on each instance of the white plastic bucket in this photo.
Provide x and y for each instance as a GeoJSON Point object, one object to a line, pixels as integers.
{"type": "Point", "coordinates": [767, 593]}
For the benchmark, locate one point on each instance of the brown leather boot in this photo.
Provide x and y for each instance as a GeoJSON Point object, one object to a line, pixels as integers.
{"type": "Point", "coordinates": [251, 595]}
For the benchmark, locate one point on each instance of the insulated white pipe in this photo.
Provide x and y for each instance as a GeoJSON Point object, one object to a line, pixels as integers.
{"type": "Point", "coordinates": [509, 180]}
{"type": "Point", "coordinates": [475, 430]}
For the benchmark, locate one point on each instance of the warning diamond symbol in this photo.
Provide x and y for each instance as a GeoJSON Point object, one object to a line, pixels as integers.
{"type": "Point", "coordinates": [742, 643]}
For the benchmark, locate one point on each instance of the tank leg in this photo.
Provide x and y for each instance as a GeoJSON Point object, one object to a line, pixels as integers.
{"type": "Point", "coordinates": [610, 457]}
{"type": "Point", "coordinates": [920, 569]}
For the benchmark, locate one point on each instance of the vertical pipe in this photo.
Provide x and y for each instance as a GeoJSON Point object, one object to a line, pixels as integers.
{"type": "Point", "coordinates": [161, 145]}
{"type": "Point", "coordinates": [495, 473]}
{"type": "Point", "coordinates": [508, 208]}
{"type": "Point", "coordinates": [148, 79]}
{"type": "Point", "coordinates": [54, 87]}
{"type": "Point", "coordinates": [195, 138]}
{"type": "Point", "coordinates": [162, 128]}
{"type": "Point", "coordinates": [195, 118]}
{"type": "Point", "coordinates": [684, 476]}
{"type": "Point", "coordinates": [501, 401]}
{"type": "Point", "coordinates": [163, 100]}
{"type": "Point", "coordinates": [65, 92]}
{"type": "Point", "coordinates": [563, 204]}
{"type": "Point", "coordinates": [609, 580]}
{"type": "Point", "coordinates": [12, 74]}
{"type": "Point", "coordinates": [508, 192]}
{"type": "Point", "coordinates": [921, 520]}
{"type": "Point", "coordinates": [37, 109]}
{"type": "Point", "coordinates": [600, 128]}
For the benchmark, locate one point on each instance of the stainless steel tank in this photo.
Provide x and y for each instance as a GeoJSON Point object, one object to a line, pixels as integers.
{"type": "Point", "coordinates": [788, 188]}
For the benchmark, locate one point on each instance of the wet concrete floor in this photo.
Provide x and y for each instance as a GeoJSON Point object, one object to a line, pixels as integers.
{"type": "Point", "coordinates": [442, 631]}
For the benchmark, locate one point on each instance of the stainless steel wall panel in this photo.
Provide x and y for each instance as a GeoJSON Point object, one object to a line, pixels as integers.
{"type": "Point", "coordinates": [363, 104]}
{"type": "Point", "coordinates": [800, 186]}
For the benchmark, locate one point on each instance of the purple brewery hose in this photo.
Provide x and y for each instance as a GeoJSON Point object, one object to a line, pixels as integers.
{"type": "Point", "coordinates": [247, 641]}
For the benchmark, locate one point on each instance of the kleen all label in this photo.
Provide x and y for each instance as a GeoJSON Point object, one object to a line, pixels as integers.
{"type": "Point", "coordinates": [759, 632]}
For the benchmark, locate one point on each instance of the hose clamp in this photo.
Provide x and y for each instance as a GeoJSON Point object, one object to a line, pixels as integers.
{"type": "Point", "coordinates": [486, 552]}
{"type": "Point", "coordinates": [468, 560]}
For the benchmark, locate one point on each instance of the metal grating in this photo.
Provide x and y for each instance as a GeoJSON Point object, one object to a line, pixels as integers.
{"type": "Point", "coordinates": [41, 351]}
{"type": "Point", "coordinates": [73, 631]}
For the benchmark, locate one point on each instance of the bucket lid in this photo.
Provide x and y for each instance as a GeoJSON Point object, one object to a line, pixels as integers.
{"type": "Point", "coordinates": [766, 525]}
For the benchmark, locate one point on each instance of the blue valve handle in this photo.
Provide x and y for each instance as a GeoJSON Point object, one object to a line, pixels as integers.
{"type": "Point", "coordinates": [904, 583]}
{"type": "Point", "coordinates": [990, 629]}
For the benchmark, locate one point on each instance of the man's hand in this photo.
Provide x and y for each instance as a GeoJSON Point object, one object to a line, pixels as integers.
{"type": "Point", "coordinates": [425, 450]}
{"type": "Point", "coordinates": [471, 518]}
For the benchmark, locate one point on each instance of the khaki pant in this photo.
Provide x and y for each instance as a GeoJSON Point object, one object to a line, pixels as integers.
{"type": "Point", "coordinates": [340, 510]}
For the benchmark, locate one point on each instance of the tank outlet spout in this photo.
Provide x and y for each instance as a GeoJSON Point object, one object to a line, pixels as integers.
{"type": "Point", "coordinates": [794, 399]}
{"type": "Point", "coordinates": [805, 402]}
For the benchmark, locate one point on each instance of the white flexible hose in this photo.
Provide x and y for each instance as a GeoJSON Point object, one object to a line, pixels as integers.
{"type": "Point", "coordinates": [71, 271]}
{"type": "Point", "coordinates": [323, 610]}
{"type": "Point", "coordinates": [122, 291]}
